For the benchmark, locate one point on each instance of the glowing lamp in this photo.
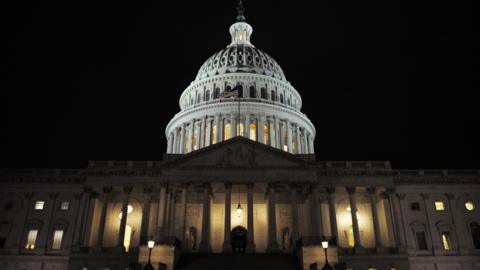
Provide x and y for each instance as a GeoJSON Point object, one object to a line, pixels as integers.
{"type": "Point", "coordinates": [325, 244]}
{"type": "Point", "coordinates": [239, 210]}
{"type": "Point", "coordinates": [151, 244]}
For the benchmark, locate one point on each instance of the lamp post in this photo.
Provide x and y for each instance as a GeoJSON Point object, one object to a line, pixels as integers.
{"type": "Point", "coordinates": [150, 245]}
{"type": "Point", "coordinates": [325, 248]}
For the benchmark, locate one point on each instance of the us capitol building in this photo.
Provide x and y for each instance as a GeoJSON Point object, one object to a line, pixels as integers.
{"type": "Point", "coordinates": [239, 176]}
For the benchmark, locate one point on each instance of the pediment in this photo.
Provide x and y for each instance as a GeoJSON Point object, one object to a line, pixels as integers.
{"type": "Point", "coordinates": [238, 152]}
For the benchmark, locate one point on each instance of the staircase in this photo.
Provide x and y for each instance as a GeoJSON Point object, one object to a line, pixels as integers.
{"type": "Point", "coordinates": [233, 261]}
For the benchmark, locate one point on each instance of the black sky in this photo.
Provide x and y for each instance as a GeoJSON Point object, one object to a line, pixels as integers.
{"type": "Point", "coordinates": [380, 81]}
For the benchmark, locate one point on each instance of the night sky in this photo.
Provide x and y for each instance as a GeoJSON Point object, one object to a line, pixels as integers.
{"type": "Point", "coordinates": [380, 81]}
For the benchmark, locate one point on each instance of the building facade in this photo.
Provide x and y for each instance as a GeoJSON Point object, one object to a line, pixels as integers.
{"type": "Point", "coordinates": [239, 175]}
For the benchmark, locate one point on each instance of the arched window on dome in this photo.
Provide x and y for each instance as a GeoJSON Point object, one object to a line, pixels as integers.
{"type": "Point", "coordinates": [207, 95]}
{"type": "Point", "coordinates": [191, 101]}
{"type": "Point", "coordinates": [475, 229]}
{"type": "Point", "coordinates": [263, 93]}
{"type": "Point", "coordinates": [240, 90]}
{"type": "Point", "coordinates": [253, 93]}
{"type": "Point", "coordinates": [281, 98]}
{"type": "Point", "coordinates": [228, 88]}
{"type": "Point", "coordinates": [227, 132]}
{"type": "Point", "coordinates": [272, 95]}
{"type": "Point", "coordinates": [288, 102]}
{"type": "Point", "coordinates": [216, 94]}
{"type": "Point", "coordinates": [199, 98]}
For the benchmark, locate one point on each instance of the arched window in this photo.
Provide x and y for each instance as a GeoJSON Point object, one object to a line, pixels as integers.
{"type": "Point", "coordinates": [475, 228]}
{"type": "Point", "coordinates": [263, 93]}
{"type": "Point", "coordinates": [253, 131]}
{"type": "Point", "coordinates": [228, 88]}
{"type": "Point", "coordinates": [272, 95]}
{"type": "Point", "coordinates": [288, 102]}
{"type": "Point", "coordinates": [281, 98]}
{"type": "Point", "coordinates": [253, 93]}
{"type": "Point", "coordinates": [227, 132]}
{"type": "Point", "coordinates": [240, 90]}
{"type": "Point", "coordinates": [191, 101]}
{"type": "Point", "coordinates": [216, 94]}
{"type": "Point", "coordinates": [199, 98]}
{"type": "Point", "coordinates": [207, 95]}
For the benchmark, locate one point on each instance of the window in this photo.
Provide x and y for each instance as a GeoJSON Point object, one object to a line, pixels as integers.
{"type": "Point", "coordinates": [253, 132]}
{"type": "Point", "coordinates": [227, 134]}
{"type": "Point", "coordinates": [439, 206]}
{"type": "Point", "coordinates": [281, 98]}
{"type": "Point", "coordinates": [263, 93]}
{"type": "Point", "coordinates": [265, 134]}
{"type": "Point", "coordinates": [252, 92]}
{"type": "Point", "coordinates": [207, 95]}
{"type": "Point", "coordinates": [31, 239]}
{"type": "Point", "coordinates": [213, 136]}
{"type": "Point", "coordinates": [57, 239]}
{"type": "Point", "coordinates": [415, 206]}
{"type": "Point", "coordinates": [216, 94]}
{"type": "Point", "coordinates": [240, 90]}
{"type": "Point", "coordinates": [469, 206]}
{"type": "Point", "coordinates": [475, 229]}
{"type": "Point", "coordinates": [64, 205]}
{"type": "Point", "coordinates": [446, 240]}
{"type": "Point", "coordinates": [421, 240]}
{"type": "Point", "coordinates": [39, 205]}
{"type": "Point", "coordinates": [272, 95]}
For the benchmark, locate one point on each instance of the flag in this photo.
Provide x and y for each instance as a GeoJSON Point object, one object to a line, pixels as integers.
{"type": "Point", "coordinates": [232, 93]}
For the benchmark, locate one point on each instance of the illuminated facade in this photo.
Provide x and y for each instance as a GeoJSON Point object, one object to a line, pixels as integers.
{"type": "Point", "coordinates": [256, 188]}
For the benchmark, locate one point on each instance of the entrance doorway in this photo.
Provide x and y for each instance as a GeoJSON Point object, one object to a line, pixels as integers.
{"type": "Point", "coordinates": [238, 237]}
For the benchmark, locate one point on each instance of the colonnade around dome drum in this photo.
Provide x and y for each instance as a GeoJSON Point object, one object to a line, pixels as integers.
{"type": "Point", "coordinates": [266, 129]}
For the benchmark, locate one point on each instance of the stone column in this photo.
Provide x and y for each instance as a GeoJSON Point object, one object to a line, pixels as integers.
{"type": "Point", "coordinates": [297, 139]}
{"type": "Point", "coordinates": [28, 196]}
{"type": "Point", "coordinates": [123, 221]}
{"type": "Point", "coordinates": [304, 142]}
{"type": "Point", "coordinates": [271, 133]}
{"type": "Point", "coordinates": [227, 225]}
{"type": "Point", "coordinates": [147, 197]}
{"type": "Point", "coordinates": [453, 221]}
{"type": "Point", "coordinates": [89, 219]}
{"type": "Point", "coordinates": [220, 129]}
{"type": "Point", "coordinates": [171, 225]}
{"type": "Point", "coordinates": [260, 123]}
{"type": "Point", "coordinates": [311, 144]}
{"type": "Point", "coordinates": [282, 130]}
{"type": "Point", "coordinates": [202, 132]}
{"type": "Point", "coordinates": [332, 213]}
{"type": "Point", "coordinates": [80, 203]}
{"type": "Point", "coordinates": [183, 212]}
{"type": "Point", "coordinates": [272, 220]}
{"type": "Point", "coordinates": [277, 132]}
{"type": "Point", "coordinates": [233, 125]}
{"type": "Point", "coordinates": [376, 224]}
{"type": "Point", "coordinates": [353, 212]}
{"type": "Point", "coordinates": [208, 135]}
{"type": "Point", "coordinates": [430, 224]}
{"type": "Point", "coordinates": [401, 219]}
{"type": "Point", "coordinates": [53, 196]}
{"type": "Point", "coordinates": [390, 219]}
{"type": "Point", "coordinates": [191, 135]}
{"type": "Point", "coordinates": [217, 125]}
{"type": "Point", "coordinates": [182, 140]}
{"type": "Point", "coordinates": [81, 215]}
{"type": "Point", "coordinates": [175, 141]}
{"type": "Point", "coordinates": [166, 222]}
{"type": "Point", "coordinates": [161, 213]}
{"type": "Point", "coordinates": [293, 203]}
{"type": "Point", "coordinates": [246, 126]}
{"type": "Point", "coordinates": [289, 136]}
{"type": "Point", "coordinates": [250, 236]}
{"type": "Point", "coordinates": [316, 222]}
{"type": "Point", "coordinates": [205, 241]}
{"type": "Point", "coordinates": [103, 216]}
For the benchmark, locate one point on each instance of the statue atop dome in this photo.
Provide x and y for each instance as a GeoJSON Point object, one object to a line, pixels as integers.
{"type": "Point", "coordinates": [241, 12]}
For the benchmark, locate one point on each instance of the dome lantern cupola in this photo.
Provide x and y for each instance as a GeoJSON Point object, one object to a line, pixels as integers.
{"type": "Point", "coordinates": [241, 30]}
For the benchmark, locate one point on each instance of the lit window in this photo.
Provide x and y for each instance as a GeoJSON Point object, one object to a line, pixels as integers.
{"type": "Point", "coordinates": [253, 132]}
{"type": "Point", "coordinates": [349, 236]}
{"type": "Point", "coordinates": [227, 132]}
{"type": "Point", "coordinates": [31, 239]}
{"type": "Point", "coordinates": [195, 138]}
{"type": "Point", "coordinates": [372, 268]}
{"type": "Point", "coordinates": [65, 205]}
{"type": "Point", "coordinates": [214, 134]}
{"type": "Point", "coordinates": [57, 239]}
{"type": "Point", "coordinates": [240, 130]}
{"type": "Point", "coordinates": [469, 206]}
{"type": "Point", "coordinates": [439, 206]}
{"type": "Point", "coordinates": [265, 134]}
{"type": "Point", "coordinates": [129, 210]}
{"type": "Point", "coordinates": [39, 205]}
{"type": "Point", "coordinates": [446, 241]}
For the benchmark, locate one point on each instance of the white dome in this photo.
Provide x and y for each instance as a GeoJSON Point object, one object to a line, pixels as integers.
{"type": "Point", "coordinates": [265, 107]}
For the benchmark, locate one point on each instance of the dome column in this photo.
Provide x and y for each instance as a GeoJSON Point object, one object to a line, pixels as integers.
{"type": "Point", "coordinates": [233, 125]}
{"type": "Point", "coordinates": [298, 149]}
{"type": "Point", "coordinates": [191, 135]}
{"type": "Point", "coordinates": [220, 128]}
{"type": "Point", "coordinates": [304, 141]}
{"type": "Point", "coordinates": [202, 132]}
{"type": "Point", "coordinates": [277, 133]}
{"type": "Point", "coordinates": [208, 132]}
{"type": "Point", "coordinates": [289, 136]}
{"type": "Point", "coordinates": [182, 139]}
{"type": "Point", "coordinates": [282, 131]}
{"type": "Point", "coordinates": [246, 126]}
{"type": "Point", "coordinates": [271, 132]}
{"type": "Point", "coordinates": [260, 132]}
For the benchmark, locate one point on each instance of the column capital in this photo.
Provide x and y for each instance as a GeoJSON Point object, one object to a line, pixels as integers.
{"type": "Point", "coordinates": [77, 195]}
{"type": "Point", "coordinates": [227, 185]}
{"type": "Point", "coordinates": [28, 195]}
{"type": "Point", "coordinates": [450, 196]}
{"type": "Point", "coordinates": [384, 195]}
{"type": "Point", "coordinates": [330, 189]}
{"type": "Point", "coordinates": [400, 196]}
{"type": "Point", "coordinates": [250, 185]}
{"type": "Point", "coordinates": [350, 189]}
{"type": "Point", "coordinates": [87, 189]}
{"type": "Point", "coordinates": [271, 187]}
{"type": "Point", "coordinates": [53, 195]}
{"type": "Point", "coordinates": [371, 190]}
{"type": "Point", "coordinates": [147, 189]}
{"type": "Point", "coordinates": [93, 195]}
{"type": "Point", "coordinates": [107, 189]}
{"type": "Point", "coordinates": [127, 189]}
{"type": "Point", "coordinates": [185, 184]}
{"type": "Point", "coordinates": [425, 196]}
{"type": "Point", "coordinates": [390, 190]}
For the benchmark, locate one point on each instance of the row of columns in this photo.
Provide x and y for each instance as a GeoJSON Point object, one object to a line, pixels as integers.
{"type": "Point", "coordinates": [165, 223]}
{"type": "Point", "coordinates": [281, 133]}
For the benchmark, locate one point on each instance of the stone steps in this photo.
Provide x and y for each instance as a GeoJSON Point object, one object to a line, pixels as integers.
{"type": "Point", "coordinates": [238, 262]}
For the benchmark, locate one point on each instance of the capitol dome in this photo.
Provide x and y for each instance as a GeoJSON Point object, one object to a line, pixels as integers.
{"type": "Point", "coordinates": [240, 91]}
